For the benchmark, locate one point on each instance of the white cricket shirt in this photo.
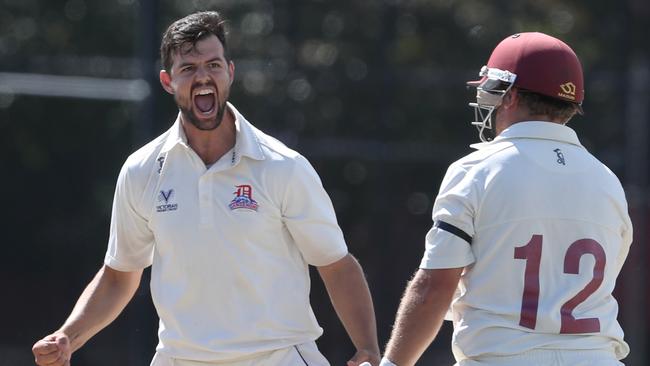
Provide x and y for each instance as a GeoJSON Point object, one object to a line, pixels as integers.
{"type": "Point", "coordinates": [229, 245]}
{"type": "Point", "coordinates": [542, 229]}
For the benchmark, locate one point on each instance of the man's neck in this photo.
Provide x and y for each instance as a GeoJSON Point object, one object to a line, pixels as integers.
{"type": "Point", "coordinates": [211, 145]}
{"type": "Point", "coordinates": [505, 121]}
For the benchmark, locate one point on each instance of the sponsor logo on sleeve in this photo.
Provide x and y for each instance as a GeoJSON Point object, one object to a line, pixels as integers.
{"type": "Point", "coordinates": [165, 198]}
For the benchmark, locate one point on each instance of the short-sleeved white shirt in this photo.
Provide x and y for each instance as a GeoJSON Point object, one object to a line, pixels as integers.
{"type": "Point", "coordinates": [229, 245]}
{"type": "Point", "coordinates": [542, 229]}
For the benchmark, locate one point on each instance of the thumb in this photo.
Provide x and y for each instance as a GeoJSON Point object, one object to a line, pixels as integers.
{"type": "Point", "coordinates": [358, 361]}
{"type": "Point", "coordinates": [354, 361]}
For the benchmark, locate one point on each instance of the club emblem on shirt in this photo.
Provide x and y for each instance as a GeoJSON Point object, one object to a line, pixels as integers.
{"type": "Point", "coordinates": [243, 198]}
{"type": "Point", "coordinates": [164, 197]}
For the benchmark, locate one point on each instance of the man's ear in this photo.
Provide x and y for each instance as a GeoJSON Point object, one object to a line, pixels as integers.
{"type": "Point", "coordinates": [166, 81]}
{"type": "Point", "coordinates": [511, 99]}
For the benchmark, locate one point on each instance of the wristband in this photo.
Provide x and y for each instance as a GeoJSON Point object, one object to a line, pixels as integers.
{"type": "Point", "coordinates": [386, 362]}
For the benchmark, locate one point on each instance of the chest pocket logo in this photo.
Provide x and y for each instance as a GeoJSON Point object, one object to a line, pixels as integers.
{"type": "Point", "coordinates": [243, 198]}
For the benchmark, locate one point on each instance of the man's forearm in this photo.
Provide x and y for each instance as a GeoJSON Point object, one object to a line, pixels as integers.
{"type": "Point", "coordinates": [420, 314]}
{"type": "Point", "coordinates": [99, 304]}
{"type": "Point", "coordinates": [350, 296]}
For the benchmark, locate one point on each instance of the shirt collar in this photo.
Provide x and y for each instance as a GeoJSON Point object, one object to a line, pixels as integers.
{"type": "Point", "coordinates": [539, 130]}
{"type": "Point", "coordinates": [246, 141]}
{"type": "Point", "coordinates": [176, 135]}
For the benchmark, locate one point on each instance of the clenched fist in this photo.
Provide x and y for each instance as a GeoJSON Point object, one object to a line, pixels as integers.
{"type": "Point", "coordinates": [53, 350]}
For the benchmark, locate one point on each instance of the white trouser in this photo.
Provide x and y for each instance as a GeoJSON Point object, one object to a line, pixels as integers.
{"type": "Point", "coordinates": [305, 354]}
{"type": "Point", "coordinates": [549, 358]}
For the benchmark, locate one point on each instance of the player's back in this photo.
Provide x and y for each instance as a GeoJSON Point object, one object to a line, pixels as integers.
{"type": "Point", "coordinates": [551, 234]}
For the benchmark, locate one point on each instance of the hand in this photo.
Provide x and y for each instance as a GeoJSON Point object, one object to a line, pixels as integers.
{"type": "Point", "coordinates": [364, 356]}
{"type": "Point", "coordinates": [53, 350]}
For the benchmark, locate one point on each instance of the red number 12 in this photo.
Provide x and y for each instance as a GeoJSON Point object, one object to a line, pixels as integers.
{"type": "Point", "coordinates": [532, 253]}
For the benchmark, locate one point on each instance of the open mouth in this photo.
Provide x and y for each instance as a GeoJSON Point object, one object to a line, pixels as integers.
{"type": "Point", "coordinates": [204, 100]}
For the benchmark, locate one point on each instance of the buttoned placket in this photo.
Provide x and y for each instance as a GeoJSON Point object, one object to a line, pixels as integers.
{"type": "Point", "coordinates": [203, 189]}
{"type": "Point", "coordinates": [205, 200]}
{"type": "Point", "coordinates": [206, 187]}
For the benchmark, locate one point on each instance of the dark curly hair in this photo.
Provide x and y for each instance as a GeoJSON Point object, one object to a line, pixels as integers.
{"type": "Point", "coordinates": [189, 30]}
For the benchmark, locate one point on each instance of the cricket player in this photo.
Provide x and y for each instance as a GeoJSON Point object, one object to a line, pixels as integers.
{"type": "Point", "coordinates": [529, 232]}
{"type": "Point", "coordinates": [229, 219]}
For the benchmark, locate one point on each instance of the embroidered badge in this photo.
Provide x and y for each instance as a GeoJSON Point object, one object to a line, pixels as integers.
{"type": "Point", "coordinates": [243, 198]}
{"type": "Point", "coordinates": [164, 197]}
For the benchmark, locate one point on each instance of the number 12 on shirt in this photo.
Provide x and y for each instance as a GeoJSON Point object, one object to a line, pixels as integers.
{"type": "Point", "coordinates": [532, 254]}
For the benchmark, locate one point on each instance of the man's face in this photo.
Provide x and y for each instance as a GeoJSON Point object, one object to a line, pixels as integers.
{"type": "Point", "coordinates": [200, 80]}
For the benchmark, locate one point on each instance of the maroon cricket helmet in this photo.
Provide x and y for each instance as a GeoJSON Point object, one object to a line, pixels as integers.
{"type": "Point", "coordinates": [543, 64]}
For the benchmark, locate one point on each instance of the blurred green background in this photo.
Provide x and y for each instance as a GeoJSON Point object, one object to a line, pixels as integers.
{"type": "Point", "coordinates": [372, 92]}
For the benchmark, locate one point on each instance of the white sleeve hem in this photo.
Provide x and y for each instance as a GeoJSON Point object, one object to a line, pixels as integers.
{"type": "Point", "coordinates": [442, 263]}
{"type": "Point", "coordinates": [121, 266]}
{"type": "Point", "coordinates": [331, 259]}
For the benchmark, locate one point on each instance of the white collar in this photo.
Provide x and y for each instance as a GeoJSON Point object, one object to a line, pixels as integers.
{"type": "Point", "coordinates": [539, 130]}
{"type": "Point", "coordinates": [246, 141]}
